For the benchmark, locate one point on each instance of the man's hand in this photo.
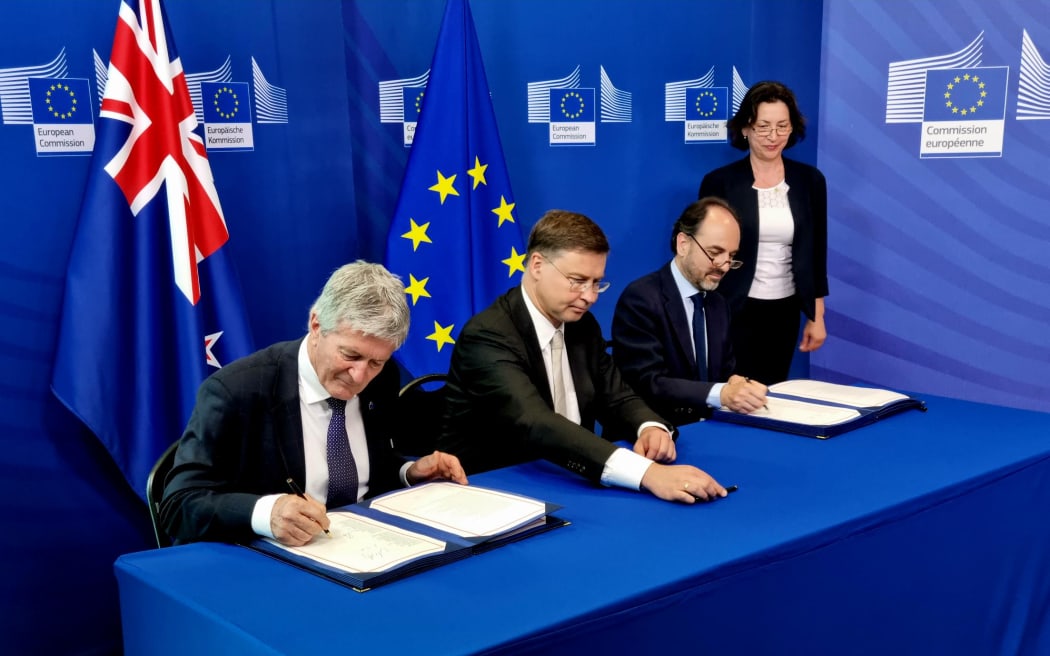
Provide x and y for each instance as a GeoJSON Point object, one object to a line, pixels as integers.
{"type": "Point", "coordinates": [294, 521]}
{"type": "Point", "coordinates": [683, 483]}
{"type": "Point", "coordinates": [655, 443]}
{"type": "Point", "coordinates": [436, 466]}
{"type": "Point", "coordinates": [743, 395]}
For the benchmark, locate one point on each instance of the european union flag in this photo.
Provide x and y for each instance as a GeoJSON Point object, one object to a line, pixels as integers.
{"type": "Point", "coordinates": [152, 304]}
{"type": "Point", "coordinates": [966, 94]}
{"type": "Point", "coordinates": [60, 101]}
{"type": "Point", "coordinates": [454, 239]}
{"type": "Point", "coordinates": [226, 102]}
{"type": "Point", "coordinates": [707, 104]}
{"type": "Point", "coordinates": [572, 105]}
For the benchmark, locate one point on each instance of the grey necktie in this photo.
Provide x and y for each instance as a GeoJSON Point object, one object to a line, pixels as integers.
{"type": "Point", "coordinates": [558, 391]}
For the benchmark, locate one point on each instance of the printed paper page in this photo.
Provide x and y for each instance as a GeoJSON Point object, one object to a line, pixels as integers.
{"type": "Point", "coordinates": [359, 544]}
{"type": "Point", "coordinates": [858, 397]}
{"type": "Point", "coordinates": [800, 412]}
{"type": "Point", "coordinates": [463, 510]}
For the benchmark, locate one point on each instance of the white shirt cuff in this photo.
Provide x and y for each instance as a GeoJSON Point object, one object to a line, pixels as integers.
{"type": "Point", "coordinates": [625, 468]}
{"type": "Point", "coordinates": [714, 397]}
{"type": "Point", "coordinates": [261, 515]}
{"type": "Point", "coordinates": [647, 424]}
{"type": "Point", "coordinates": [404, 472]}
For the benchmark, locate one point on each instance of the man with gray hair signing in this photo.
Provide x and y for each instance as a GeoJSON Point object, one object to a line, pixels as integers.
{"type": "Point", "coordinates": [300, 426]}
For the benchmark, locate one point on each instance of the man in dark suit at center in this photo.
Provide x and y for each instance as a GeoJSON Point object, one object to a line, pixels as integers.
{"type": "Point", "coordinates": [671, 328]}
{"type": "Point", "coordinates": [280, 434]}
{"type": "Point", "coordinates": [530, 376]}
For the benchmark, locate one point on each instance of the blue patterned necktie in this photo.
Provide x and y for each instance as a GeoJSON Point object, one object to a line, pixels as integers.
{"type": "Point", "coordinates": [699, 335]}
{"type": "Point", "coordinates": [342, 470]}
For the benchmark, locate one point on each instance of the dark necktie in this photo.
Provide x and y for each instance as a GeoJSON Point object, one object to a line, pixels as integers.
{"type": "Point", "coordinates": [342, 470]}
{"type": "Point", "coordinates": [699, 335]}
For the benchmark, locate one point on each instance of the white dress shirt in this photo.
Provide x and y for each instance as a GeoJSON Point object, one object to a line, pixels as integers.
{"type": "Point", "coordinates": [316, 415]}
{"type": "Point", "coordinates": [624, 468]}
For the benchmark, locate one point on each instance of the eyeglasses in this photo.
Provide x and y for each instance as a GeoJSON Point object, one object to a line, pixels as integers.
{"type": "Point", "coordinates": [733, 264]}
{"type": "Point", "coordinates": [767, 130]}
{"type": "Point", "coordinates": [581, 286]}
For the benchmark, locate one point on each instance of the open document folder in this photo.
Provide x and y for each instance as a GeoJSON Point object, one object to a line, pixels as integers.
{"type": "Point", "coordinates": [400, 533]}
{"type": "Point", "coordinates": [818, 409]}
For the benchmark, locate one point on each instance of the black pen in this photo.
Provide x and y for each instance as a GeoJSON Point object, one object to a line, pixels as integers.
{"type": "Point", "coordinates": [729, 490]}
{"type": "Point", "coordinates": [764, 406]}
{"type": "Point", "coordinates": [299, 493]}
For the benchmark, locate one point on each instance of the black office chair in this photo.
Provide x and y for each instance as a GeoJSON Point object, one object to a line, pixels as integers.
{"type": "Point", "coordinates": [423, 409]}
{"type": "Point", "coordinates": [155, 492]}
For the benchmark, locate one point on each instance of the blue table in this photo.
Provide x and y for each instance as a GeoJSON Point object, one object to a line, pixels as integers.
{"type": "Point", "coordinates": [926, 533]}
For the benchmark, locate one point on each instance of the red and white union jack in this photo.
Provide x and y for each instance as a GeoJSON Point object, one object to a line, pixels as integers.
{"type": "Point", "coordinates": [146, 88]}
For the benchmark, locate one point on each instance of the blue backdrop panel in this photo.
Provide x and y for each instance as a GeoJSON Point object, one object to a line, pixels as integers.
{"type": "Point", "coordinates": [639, 174]}
{"type": "Point", "coordinates": [318, 188]}
{"type": "Point", "coordinates": [289, 205]}
{"type": "Point", "coordinates": [939, 275]}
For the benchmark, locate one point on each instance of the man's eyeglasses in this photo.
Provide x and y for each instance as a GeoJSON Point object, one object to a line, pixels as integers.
{"type": "Point", "coordinates": [766, 130]}
{"type": "Point", "coordinates": [733, 264]}
{"type": "Point", "coordinates": [578, 285]}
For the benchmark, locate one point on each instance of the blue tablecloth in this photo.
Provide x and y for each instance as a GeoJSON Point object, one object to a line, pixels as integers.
{"type": "Point", "coordinates": [925, 533]}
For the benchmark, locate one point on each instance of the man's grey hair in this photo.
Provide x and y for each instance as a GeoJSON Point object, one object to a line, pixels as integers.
{"type": "Point", "coordinates": [367, 298]}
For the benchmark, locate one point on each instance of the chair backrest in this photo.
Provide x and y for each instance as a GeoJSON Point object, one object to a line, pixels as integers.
{"type": "Point", "coordinates": [155, 491]}
{"type": "Point", "coordinates": [422, 409]}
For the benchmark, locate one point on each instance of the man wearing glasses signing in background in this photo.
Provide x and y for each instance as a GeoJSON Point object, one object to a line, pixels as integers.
{"type": "Point", "coordinates": [671, 328]}
{"type": "Point", "coordinates": [530, 376]}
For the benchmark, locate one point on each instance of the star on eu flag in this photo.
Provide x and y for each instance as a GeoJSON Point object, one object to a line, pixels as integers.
{"type": "Point", "coordinates": [478, 173]}
{"type": "Point", "coordinates": [442, 335]}
{"type": "Point", "coordinates": [444, 186]}
{"type": "Point", "coordinates": [417, 234]}
{"type": "Point", "coordinates": [417, 288]}
{"type": "Point", "coordinates": [504, 211]}
{"type": "Point", "coordinates": [516, 262]}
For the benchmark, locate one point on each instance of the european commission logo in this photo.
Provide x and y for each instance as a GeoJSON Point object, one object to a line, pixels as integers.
{"type": "Point", "coordinates": [400, 101]}
{"type": "Point", "coordinates": [571, 118]}
{"type": "Point", "coordinates": [701, 107]}
{"type": "Point", "coordinates": [964, 112]}
{"type": "Point", "coordinates": [62, 114]}
{"type": "Point", "coordinates": [227, 116]}
{"type": "Point", "coordinates": [63, 123]}
{"type": "Point", "coordinates": [961, 104]}
{"type": "Point", "coordinates": [572, 112]}
{"type": "Point", "coordinates": [412, 99]}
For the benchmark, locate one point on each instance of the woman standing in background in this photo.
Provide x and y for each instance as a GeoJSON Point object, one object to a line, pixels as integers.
{"type": "Point", "coordinates": [782, 206]}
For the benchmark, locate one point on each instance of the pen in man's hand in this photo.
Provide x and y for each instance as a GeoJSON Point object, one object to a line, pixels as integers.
{"type": "Point", "coordinates": [729, 490]}
{"type": "Point", "coordinates": [299, 493]}
{"type": "Point", "coordinates": [764, 406]}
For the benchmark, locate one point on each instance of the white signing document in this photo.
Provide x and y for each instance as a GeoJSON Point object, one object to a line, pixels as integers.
{"type": "Point", "coordinates": [857, 397]}
{"type": "Point", "coordinates": [359, 544]}
{"type": "Point", "coordinates": [800, 412]}
{"type": "Point", "coordinates": [463, 510]}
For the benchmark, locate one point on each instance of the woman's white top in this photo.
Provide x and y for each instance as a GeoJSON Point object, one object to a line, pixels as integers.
{"type": "Point", "coordinates": [776, 230]}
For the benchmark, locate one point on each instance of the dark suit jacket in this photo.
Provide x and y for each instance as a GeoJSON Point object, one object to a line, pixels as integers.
{"type": "Point", "coordinates": [808, 197]}
{"type": "Point", "coordinates": [245, 438]}
{"type": "Point", "coordinates": [652, 346]}
{"type": "Point", "coordinates": [499, 410]}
